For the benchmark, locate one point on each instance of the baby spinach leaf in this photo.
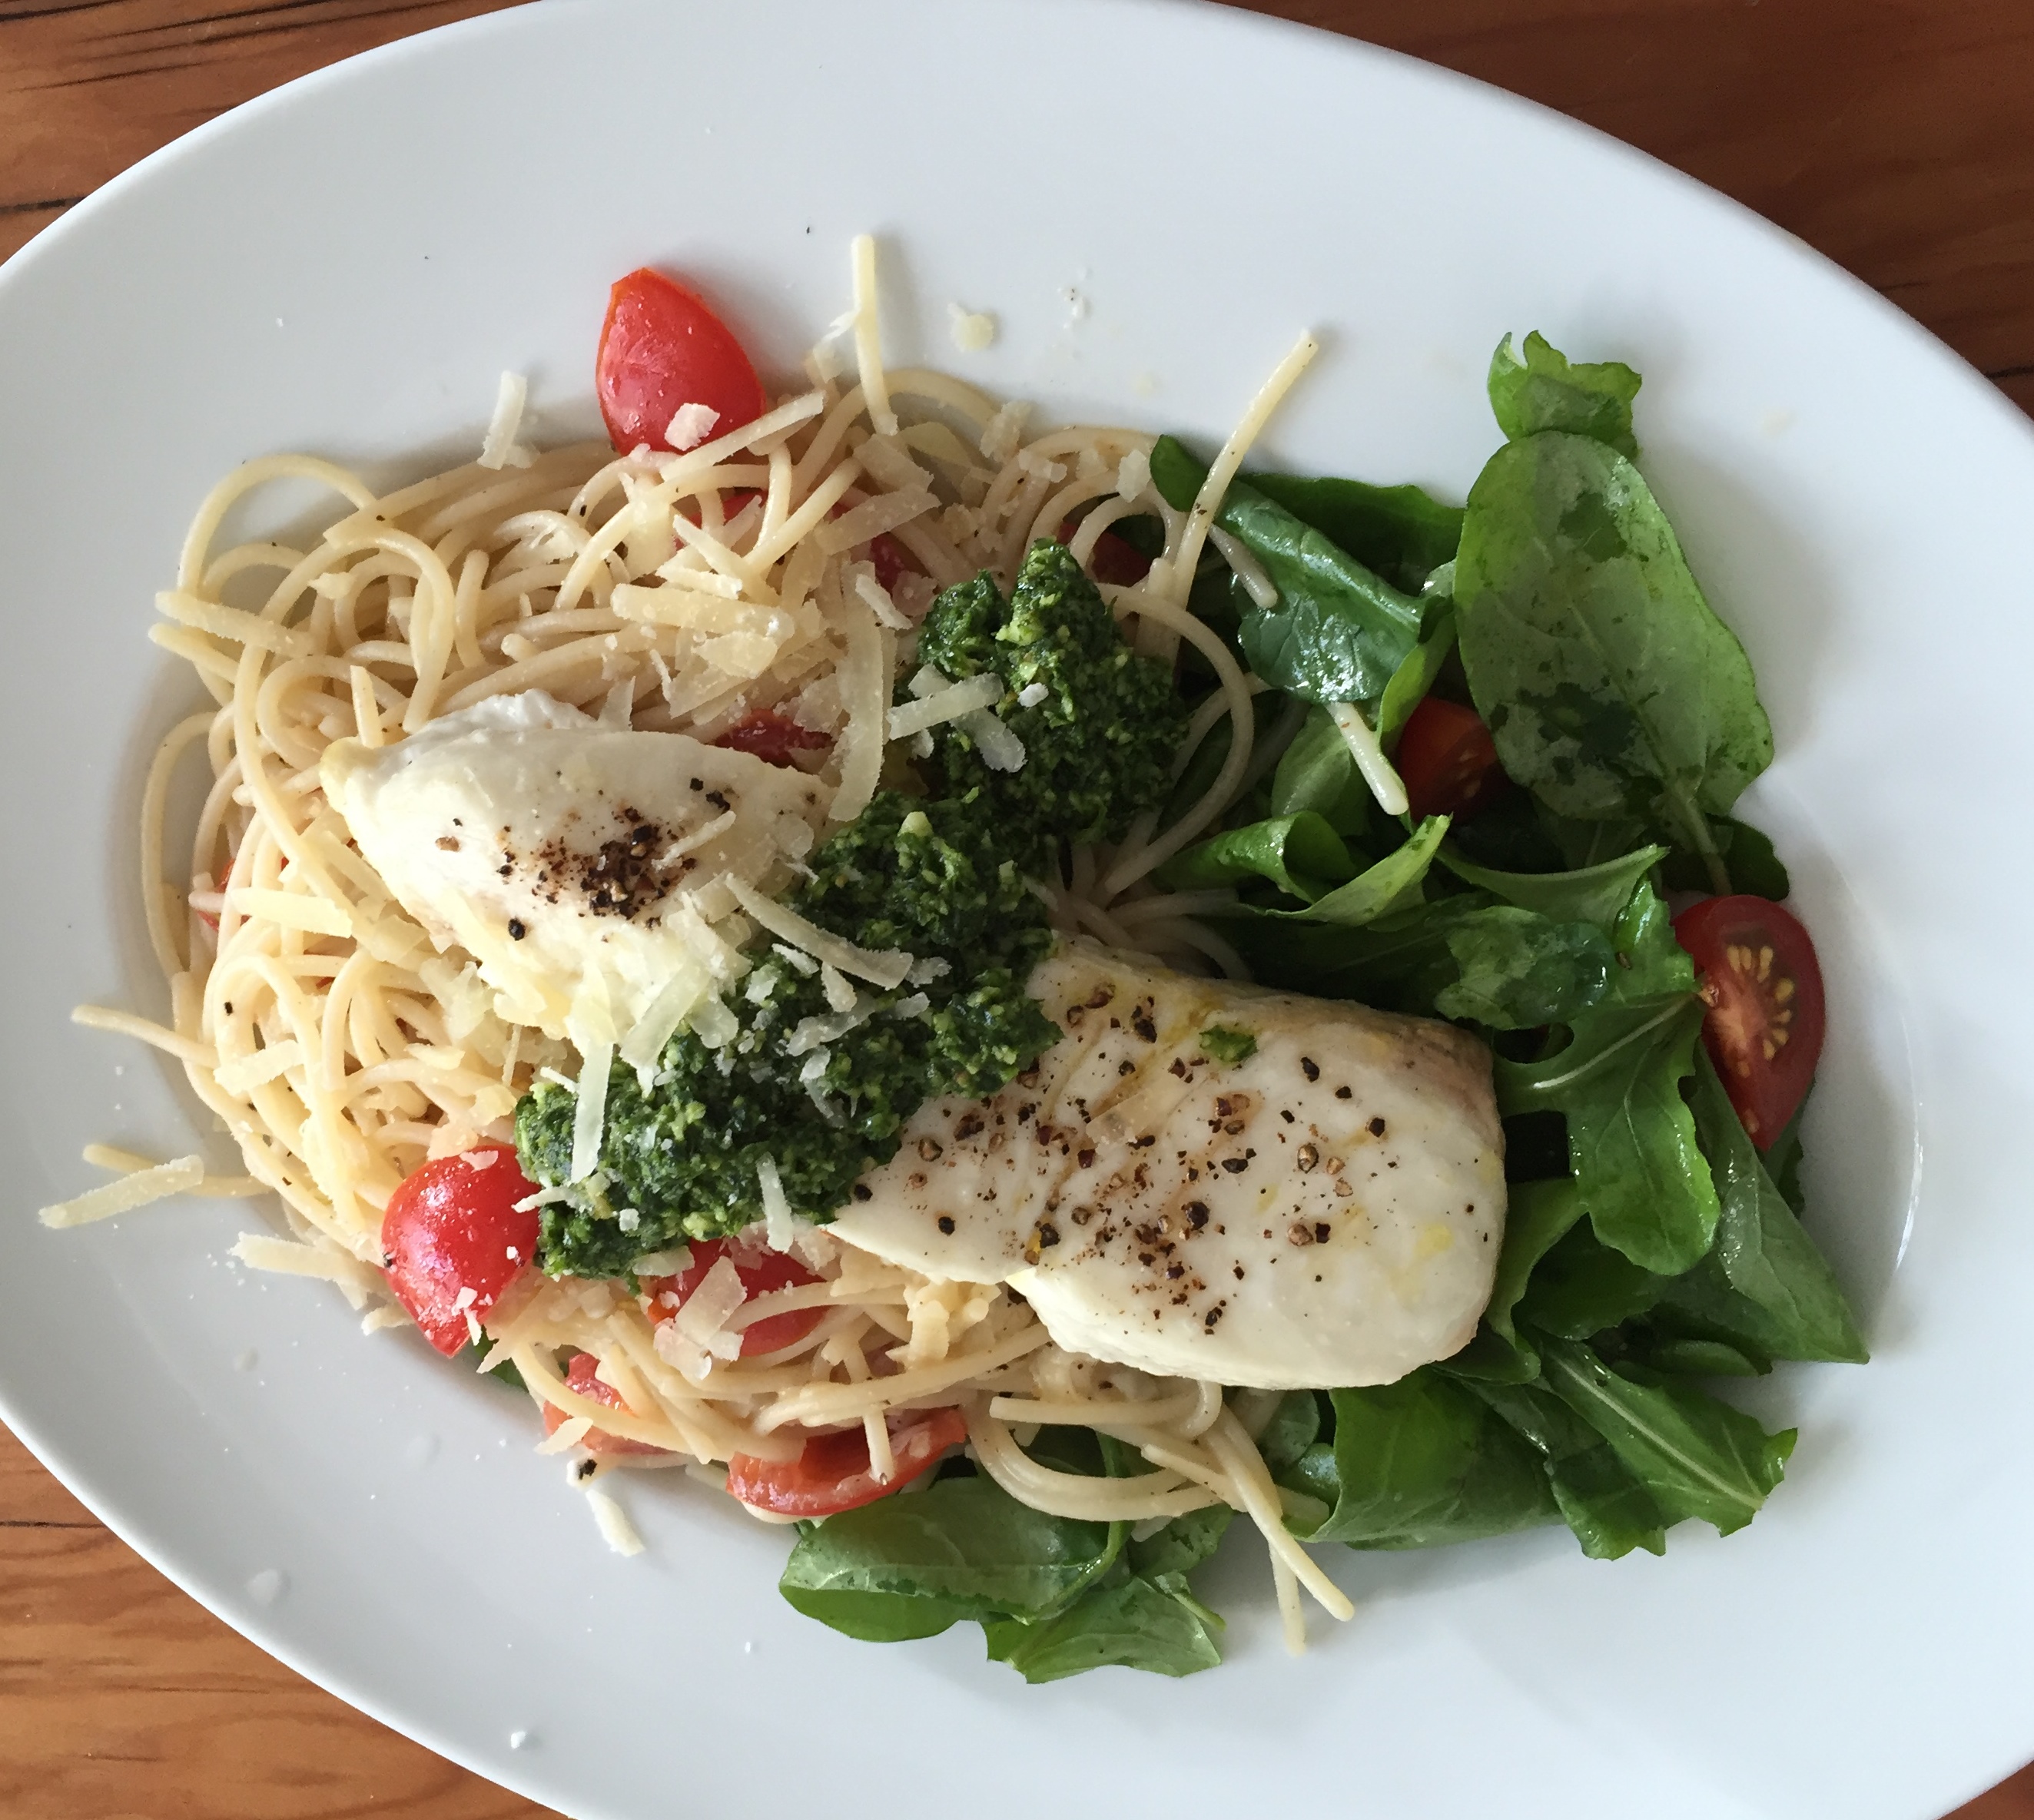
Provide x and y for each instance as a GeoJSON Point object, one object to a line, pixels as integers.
{"type": "Point", "coordinates": [1696, 1456]}
{"type": "Point", "coordinates": [1610, 688]}
{"type": "Point", "coordinates": [1183, 1544]}
{"type": "Point", "coordinates": [1755, 866]}
{"type": "Point", "coordinates": [1418, 1463]}
{"type": "Point", "coordinates": [1765, 1254]}
{"type": "Point", "coordinates": [1601, 1500]}
{"type": "Point", "coordinates": [1594, 894]}
{"type": "Point", "coordinates": [1402, 532]}
{"type": "Point", "coordinates": [1294, 1427]}
{"type": "Point", "coordinates": [1546, 390]}
{"type": "Point", "coordinates": [1156, 1624]}
{"type": "Point", "coordinates": [1299, 853]}
{"type": "Point", "coordinates": [1339, 630]}
{"type": "Point", "coordinates": [1317, 772]}
{"type": "Point", "coordinates": [908, 1566]}
{"type": "Point", "coordinates": [1519, 970]}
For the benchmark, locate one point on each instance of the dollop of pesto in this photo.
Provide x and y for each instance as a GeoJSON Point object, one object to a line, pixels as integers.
{"type": "Point", "coordinates": [941, 876]}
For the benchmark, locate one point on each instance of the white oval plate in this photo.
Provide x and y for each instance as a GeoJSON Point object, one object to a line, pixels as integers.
{"type": "Point", "coordinates": [1154, 198]}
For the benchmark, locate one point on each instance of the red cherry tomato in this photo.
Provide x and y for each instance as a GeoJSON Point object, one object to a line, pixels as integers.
{"type": "Point", "coordinates": [580, 1376]}
{"type": "Point", "coordinates": [760, 1271]}
{"type": "Point", "coordinates": [662, 348]}
{"type": "Point", "coordinates": [451, 1228]}
{"type": "Point", "coordinates": [1447, 760]}
{"type": "Point", "coordinates": [1116, 560]}
{"type": "Point", "coordinates": [833, 1473]}
{"type": "Point", "coordinates": [771, 737]}
{"type": "Point", "coordinates": [891, 560]}
{"type": "Point", "coordinates": [1763, 987]}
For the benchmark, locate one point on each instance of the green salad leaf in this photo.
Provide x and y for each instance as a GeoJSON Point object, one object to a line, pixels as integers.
{"type": "Point", "coordinates": [1403, 532]}
{"type": "Point", "coordinates": [1301, 854]}
{"type": "Point", "coordinates": [1152, 1624]}
{"type": "Point", "coordinates": [1317, 772]}
{"type": "Point", "coordinates": [1596, 894]}
{"type": "Point", "coordinates": [1611, 689]}
{"type": "Point", "coordinates": [1517, 970]}
{"type": "Point", "coordinates": [1546, 390]}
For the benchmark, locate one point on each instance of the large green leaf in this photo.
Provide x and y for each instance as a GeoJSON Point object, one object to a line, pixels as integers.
{"type": "Point", "coordinates": [1600, 1499]}
{"type": "Point", "coordinates": [1301, 854]}
{"type": "Point", "coordinates": [1547, 391]}
{"type": "Point", "coordinates": [1156, 1624]}
{"type": "Point", "coordinates": [1401, 532]}
{"type": "Point", "coordinates": [1317, 772]}
{"type": "Point", "coordinates": [1593, 894]}
{"type": "Point", "coordinates": [1518, 969]}
{"type": "Point", "coordinates": [1611, 689]}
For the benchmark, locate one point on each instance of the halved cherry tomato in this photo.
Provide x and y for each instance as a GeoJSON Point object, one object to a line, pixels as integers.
{"type": "Point", "coordinates": [833, 1472]}
{"type": "Point", "coordinates": [580, 1376]}
{"type": "Point", "coordinates": [452, 1227]}
{"type": "Point", "coordinates": [771, 737]}
{"type": "Point", "coordinates": [760, 1270]}
{"type": "Point", "coordinates": [1763, 987]}
{"type": "Point", "coordinates": [1116, 561]}
{"type": "Point", "coordinates": [661, 348]}
{"type": "Point", "coordinates": [891, 560]}
{"type": "Point", "coordinates": [1447, 759]}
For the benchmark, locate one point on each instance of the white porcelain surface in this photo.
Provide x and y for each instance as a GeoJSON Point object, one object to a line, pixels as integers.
{"type": "Point", "coordinates": [347, 265]}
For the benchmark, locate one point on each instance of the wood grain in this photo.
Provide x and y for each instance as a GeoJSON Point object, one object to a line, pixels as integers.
{"type": "Point", "coordinates": [1897, 136]}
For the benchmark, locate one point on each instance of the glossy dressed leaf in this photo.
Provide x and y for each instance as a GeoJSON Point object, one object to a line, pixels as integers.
{"type": "Point", "coordinates": [1601, 1499]}
{"type": "Point", "coordinates": [1610, 688]}
{"type": "Point", "coordinates": [1764, 1253]}
{"type": "Point", "coordinates": [1402, 532]}
{"type": "Point", "coordinates": [1418, 1463]}
{"type": "Point", "coordinates": [1136, 1622]}
{"type": "Point", "coordinates": [1339, 630]}
{"type": "Point", "coordinates": [1594, 894]}
{"type": "Point", "coordinates": [1547, 391]}
{"type": "Point", "coordinates": [1517, 969]}
{"type": "Point", "coordinates": [964, 1545]}
{"type": "Point", "coordinates": [1299, 853]}
{"type": "Point", "coordinates": [1316, 772]}
{"type": "Point", "coordinates": [1392, 883]}
{"type": "Point", "coordinates": [1582, 1287]}
{"type": "Point", "coordinates": [1696, 1456]}
{"type": "Point", "coordinates": [1411, 680]}
{"type": "Point", "coordinates": [1397, 962]}
{"type": "Point", "coordinates": [1747, 855]}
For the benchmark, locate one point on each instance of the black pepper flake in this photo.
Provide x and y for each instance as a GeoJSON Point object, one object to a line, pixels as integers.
{"type": "Point", "coordinates": [1140, 1022]}
{"type": "Point", "coordinates": [1286, 1116]}
{"type": "Point", "coordinates": [719, 801]}
{"type": "Point", "coordinates": [946, 1223]}
{"type": "Point", "coordinates": [1235, 1165]}
{"type": "Point", "coordinates": [1342, 1093]}
{"type": "Point", "coordinates": [1377, 1128]}
{"type": "Point", "coordinates": [1323, 1232]}
{"type": "Point", "coordinates": [699, 784]}
{"type": "Point", "coordinates": [862, 1192]}
{"type": "Point", "coordinates": [1197, 1215]}
{"type": "Point", "coordinates": [1213, 1315]}
{"type": "Point", "coordinates": [516, 930]}
{"type": "Point", "coordinates": [1311, 1068]}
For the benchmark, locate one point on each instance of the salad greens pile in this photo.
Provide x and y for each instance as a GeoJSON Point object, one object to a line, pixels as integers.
{"type": "Point", "coordinates": [1651, 1247]}
{"type": "Point", "coordinates": [939, 876]}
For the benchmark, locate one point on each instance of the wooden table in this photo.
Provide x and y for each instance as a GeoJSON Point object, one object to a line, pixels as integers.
{"type": "Point", "coordinates": [1896, 136]}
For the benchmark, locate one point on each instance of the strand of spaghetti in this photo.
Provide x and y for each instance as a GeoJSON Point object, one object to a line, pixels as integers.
{"type": "Point", "coordinates": [250, 475]}
{"type": "Point", "coordinates": [1293, 1619]}
{"type": "Point", "coordinates": [677, 470]}
{"type": "Point", "coordinates": [814, 507]}
{"type": "Point", "coordinates": [821, 1403]}
{"type": "Point", "coordinates": [1178, 577]}
{"type": "Point", "coordinates": [868, 337]}
{"type": "Point", "coordinates": [155, 793]}
{"type": "Point", "coordinates": [1130, 866]}
{"type": "Point", "coordinates": [1074, 1494]}
{"type": "Point", "coordinates": [1259, 1499]}
{"type": "Point", "coordinates": [147, 1030]}
{"type": "Point", "coordinates": [1163, 904]}
{"type": "Point", "coordinates": [1185, 932]}
{"type": "Point", "coordinates": [541, 1378]}
{"type": "Point", "coordinates": [130, 1162]}
{"type": "Point", "coordinates": [1158, 1412]}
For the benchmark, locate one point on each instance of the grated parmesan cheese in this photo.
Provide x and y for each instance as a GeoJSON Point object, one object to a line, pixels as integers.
{"type": "Point", "coordinates": [779, 1223]}
{"type": "Point", "coordinates": [840, 996]}
{"type": "Point", "coordinates": [953, 702]}
{"type": "Point", "coordinates": [612, 1522]}
{"type": "Point", "coordinates": [1032, 693]}
{"type": "Point", "coordinates": [1004, 432]}
{"type": "Point", "coordinates": [692, 425]}
{"type": "Point", "coordinates": [129, 1192]}
{"type": "Point", "coordinates": [1133, 475]}
{"type": "Point", "coordinates": [973, 329]}
{"type": "Point", "coordinates": [886, 968]}
{"type": "Point", "coordinates": [704, 1318]}
{"type": "Point", "coordinates": [1000, 748]}
{"type": "Point", "coordinates": [499, 448]}
{"type": "Point", "coordinates": [876, 597]}
{"type": "Point", "coordinates": [590, 1115]}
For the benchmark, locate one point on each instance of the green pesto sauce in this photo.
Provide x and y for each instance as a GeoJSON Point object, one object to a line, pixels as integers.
{"type": "Point", "coordinates": [1224, 1044]}
{"type": "Point", "coordinates": [941, 877]}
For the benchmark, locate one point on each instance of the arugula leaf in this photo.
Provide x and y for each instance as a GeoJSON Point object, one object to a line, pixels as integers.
{"type": "Point", "coordinates": [1317, 772]}
{"type": "Point", "coordinates": [1546, 390]}
{"type": "Point", "coordinates": [1184, 1544]}
{"type": "Point", "coordinates": [1763, 1254]}
{"type": "Point", "coordinates": [1299, 853]}
{"type": "Point", "coordinates": [1696, 1456]}
{"type": "Point", "coordinates": [1519, 970]}
{"type": "Point", "coordinates": [1601, 1500]}
{"type": "Point", "coordinates": [1411, 680]}
{"type": "Point", "coordinates": [1417, 1464]}
{"type": "Point", "coordinates": [1611, 689]}
{"type": "Point", "coordinates": [1755, 866]}
{"type": "Point", "coordinates": [1539, 1214]}
{"type": "Point", "coordinates": [1402, 532]}
{"type": "Point", "coordinates": [1595, 893]}
{"type": "Point", "coordinates": [1294, 1427]}
{"type": "Point", "coordinates": [1391, 884]}
{"type": "Point", "coordinates": [1339, 630]}
{"type": "Point", "coordinates": [1582, 1287]}
{"type": "Point", "coordinates": [1153, 1624]}
{"type": "Point", "coordinates": [1631, 1139]}
{"type": "Point", "coordinates": [909, 1567]}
